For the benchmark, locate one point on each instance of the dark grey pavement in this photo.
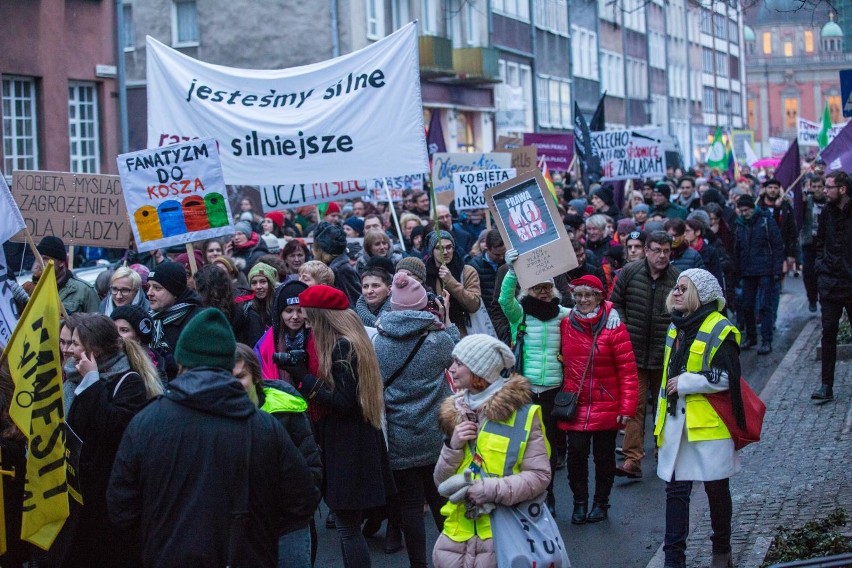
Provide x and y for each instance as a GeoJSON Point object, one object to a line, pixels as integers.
{"type": "Point", "coordinates": [632, 536]}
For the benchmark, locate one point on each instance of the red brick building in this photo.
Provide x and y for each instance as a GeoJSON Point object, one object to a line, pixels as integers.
{"type": "Point", "coordinates": [59, 94]}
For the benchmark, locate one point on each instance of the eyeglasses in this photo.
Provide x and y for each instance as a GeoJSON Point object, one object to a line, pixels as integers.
{"type": "Point", "coordinates": [660, 251]}
{"type": "Point", "coordinates": [584, 295]}
{"type": "Point", "coordinates": [541, 288]}
{"type": "Point", "coordinates": [446, 248]}
{"type": "Point", "coordinates": [679, 289]}
{"type": "Point", "coordinates": [121, 291]}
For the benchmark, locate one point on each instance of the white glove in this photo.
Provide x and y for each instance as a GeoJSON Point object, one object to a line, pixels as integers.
{"type": "Point", "coordinates": [613, 320]}
{"type": "Point", "coordinates": [511, 257]}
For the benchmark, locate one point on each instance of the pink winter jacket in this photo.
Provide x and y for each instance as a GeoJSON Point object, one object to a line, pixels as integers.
{"type": "Point", "coordinates": [529, 483]}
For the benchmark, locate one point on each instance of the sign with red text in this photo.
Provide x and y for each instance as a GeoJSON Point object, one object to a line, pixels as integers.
{"type": "Point", "coordinates": [175, 195]}
{"type": "Point", "coordinates": [635, 153]}
{"type": "Point", "coordinates": [529, 222]}
{"type": "Point", "coordinates": [80, 209]}
{"type": "Point", "coordinates": [358, 116]}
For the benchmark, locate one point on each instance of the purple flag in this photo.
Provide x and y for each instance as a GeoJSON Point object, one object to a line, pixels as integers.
{"type": "Point", "coordinates": [838, 154]}
{"type": "Point", "coordinates": [788, 172]}
{"type": "Point", "coordinates": [435, 136]}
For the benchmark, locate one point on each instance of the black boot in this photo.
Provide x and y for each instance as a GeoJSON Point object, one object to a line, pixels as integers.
{"type": "Point", "coordinates": [824, 393]}
{"type": "Point", "coordinates": [581, 509]}
{"type": "Point", "coordinates": [598, 512]}
{"type": "Point", "coordinates": [551, 503]}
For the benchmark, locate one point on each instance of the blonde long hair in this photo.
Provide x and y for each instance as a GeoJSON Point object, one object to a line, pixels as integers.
{"type": "Point", "coordinates": [330, 326]}
{"type": "Point", "coordinates": [99, 335]}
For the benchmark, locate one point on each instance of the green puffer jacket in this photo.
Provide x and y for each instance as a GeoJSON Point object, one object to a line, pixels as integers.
{"type": "Point", "coordinates": [542, 341]}
{"type": "Point", "coordinates": [641, 303]}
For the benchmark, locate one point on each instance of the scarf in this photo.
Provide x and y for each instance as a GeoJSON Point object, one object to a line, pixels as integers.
{"type": "Point", "coordinates": [540, 310]}
{"type": "Point", "coordinates": [594, 320]}
{"type": "Point", "coordinates": [475, 401]}
{"type": "Point", "coordinates": [368, 316]}
{"type": "Point", "coordinates": [249, 244]}
{"type": "Point", "coordinates": [687, 328]}
{"type": "Point", "coordinates": [164, 318]}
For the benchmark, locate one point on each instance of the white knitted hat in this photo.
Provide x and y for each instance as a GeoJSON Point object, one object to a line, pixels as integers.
{"type": "Point", "coordinates": [708, 287]}
{"type": "Point", "coordinates": [485, 356]}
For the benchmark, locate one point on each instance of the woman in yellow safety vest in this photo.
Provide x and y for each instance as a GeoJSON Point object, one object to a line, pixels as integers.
{"type": "Point", "coordinates": [495, 446]}
{"type": "Point", "coordinates": [701, 357]}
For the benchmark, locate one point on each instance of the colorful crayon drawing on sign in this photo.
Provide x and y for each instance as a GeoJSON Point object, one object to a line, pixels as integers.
{"type": "Point", "coordinates": [175, 194]}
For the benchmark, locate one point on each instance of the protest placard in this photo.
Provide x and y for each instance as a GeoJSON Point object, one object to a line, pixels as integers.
{"type": "Point", "coordinates": [444, 165]}
{"type": "Point", "coordinates": [778, 146]}
{"type": "Point", "coordinates": [809, 131]}
{"type": "Point", "coordinates": [635, 153]}
{"type": "Point", "coordinates": [80, 209]}
{"type": "Point", "coordinates": [508, 143]}
{"type": "Point", "coordinates": [291, 196]}
{"type": "Point", "coordinates": [528, 221]}
{"type": "Point", "coordinates": [556, 149]}
{"type": "Point", "coordinates": [469, 187]}
{"type": "Point", "coordinates": [305, 125]}
{"type": "Point", "coordinates": [396, 185]}
{"type": "Point", "coordinates": [175, 195]}
{"type": "Point", "coordinates": [524, 158]}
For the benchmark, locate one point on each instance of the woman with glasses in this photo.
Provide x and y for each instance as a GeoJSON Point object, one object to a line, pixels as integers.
{"type": "Point", "coordinates": [702, 356]}
{"type": "Point", "coordinates": [445, 270]}
{"type": "Point", "coordinates": [599, 366]}
{"type": "Point", "coordinates": [125, 289]}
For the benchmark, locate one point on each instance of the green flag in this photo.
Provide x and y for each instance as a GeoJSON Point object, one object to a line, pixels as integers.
{"type": "Point", "coordinates": [717, 154]}
{"type": "Point", "coordinates": [822, 137]}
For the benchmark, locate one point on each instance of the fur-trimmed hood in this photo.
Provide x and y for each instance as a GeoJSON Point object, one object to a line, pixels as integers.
{"type": "Point", "coordinates": [514, 394]}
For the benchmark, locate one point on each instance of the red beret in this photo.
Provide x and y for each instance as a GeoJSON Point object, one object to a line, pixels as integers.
{"type": "Point", "coordinates": [590, 281]}
{"type": "Point", "coordinates": [324, 297]}
{"type": "Point", "coordinates": [333, 207]}
{"type": "Point", "coordinates": [277, 218]}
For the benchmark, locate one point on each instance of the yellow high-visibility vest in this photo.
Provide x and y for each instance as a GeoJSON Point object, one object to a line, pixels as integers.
{"type": "Point", "coordinates": [501, 445]}
{"type": "Point", "coordinates": [702, 421]}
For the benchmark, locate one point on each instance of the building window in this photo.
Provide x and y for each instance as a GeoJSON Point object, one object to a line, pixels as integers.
{"type": "Point", "coordinates": [518, 9]}
{"type": "Point", "coordinates": [20, 137]}
{"type": "Point", "coordinates": [705, 22]}
{"type": "Point", "coordinates": [835, 109]}
{"type": "Point", "coordinates": [733, 32]}
{"type": "Point", "coordinates": [428, 16]}
{"type": "Point", "coordinates": [584, 53]}
{"type": "Point", "coordinates": [612, 73]}
{"type": "Point", "coordinates": [637, 79]}
{"type": "Point", "coordinates": [83, 128]}
{"type": "Point", "coordinates": [767, 43]}
{"type": "Point", "coordinates": [543, 90]}
{"type": "Point", "coordinates": [400, 13]}
{"type": "Point", "coordinates": [788, 48]}
{"type": "Point", "coordinates": [752, 117]}
{"type": "Point", "coordinates": [464, 132]}
{"type": "Point", "coordinates": [375, 19]}
{"type": "Point", "coordinates": [709, 99]}
{"type": "Point", "coordinates": [722, 64]}
{"type": "Point", "coordinates": [656, 50]}
{"type": "Point", "coordinates": [809, 41]}
{"type": "Point", "coordinates": [554, 102]}
{"type": "Point", "coordinates": [552, 15]}
{"type": "Point", "coordinates": [129, 32]}
{"type": "Point", "coordinates": [634, 15]}
{"type": "Point", "coordinates": [184, 23]}
{"type": "Point", "coordinates": [735, 67]}
{"type": "Point", "coordinates": [471, 20]}
{"type": "Point", "coordinates": [720, 22]}
{"type": "Point", "coordinates": [609, 11]}
{"type": "Point", "coordinates": [707, 59]}
{"type": "Point", "coordinates": [791, 113]}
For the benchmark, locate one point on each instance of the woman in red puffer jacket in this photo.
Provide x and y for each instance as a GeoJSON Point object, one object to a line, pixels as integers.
{"type": "Point", "coordinates": [607, 383]}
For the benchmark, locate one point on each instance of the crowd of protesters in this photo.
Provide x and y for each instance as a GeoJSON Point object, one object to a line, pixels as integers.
{"type": "Point", "coordinates": [221, 391]}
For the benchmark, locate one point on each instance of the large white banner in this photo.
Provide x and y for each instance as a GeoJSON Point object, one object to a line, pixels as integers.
{"type": "Point", "coordinates": [635, 153]}
{"type": "Point", "coordinates": [359, 116]}
{"type": "Point", "coordinates": [8, 308]}
{"type": "Point", "coordinates": [808, 132]}
{"type": "Point", "coordinates": [13, 222]}
{"type": "Point", "coordinates": [175, 195]}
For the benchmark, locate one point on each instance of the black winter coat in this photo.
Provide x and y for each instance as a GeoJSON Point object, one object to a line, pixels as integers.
{"type": "Point", "coordinates": [357, 470]}
{"type": "Point", "coordinates": [178, 468]}
{"type": "Point", "coordinates": [346, 278]}
{"type": "Point", "coordinates": [833, 245]}
{"type": "Point", "coordinates": [759, 249]}
{"type": "Point", "coordinates": [99, 416]}
{"type": "Point", "coordinates": [487, 277]}
{"type": "Point", "coordinates": [641, 302]}
{"type": "Point", "coordinates": [785, 218]}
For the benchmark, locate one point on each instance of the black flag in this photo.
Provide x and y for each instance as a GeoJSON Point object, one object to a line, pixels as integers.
{"type": "Point", "coordinates": [598, 122]}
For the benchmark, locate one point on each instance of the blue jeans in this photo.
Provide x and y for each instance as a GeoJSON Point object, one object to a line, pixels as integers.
{"type": "Point", "coordinates": [767, 289]}
{"type": "Point", "coordinates": [294, 549]}
{"type": "Point", "coordinates": [677, 519]}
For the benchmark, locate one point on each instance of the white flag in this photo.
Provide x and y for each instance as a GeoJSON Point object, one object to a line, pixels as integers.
{"type": "Point", "coordinates": [9, 213]}
{"type": "Point", "coordinates": [8, 308]}
{"type": "Point", "coordinates": [751, 157]}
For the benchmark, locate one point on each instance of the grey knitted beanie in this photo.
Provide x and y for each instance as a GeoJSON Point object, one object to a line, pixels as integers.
{"type": "Point", "coordinates": [484, 355]}
{"type": "Point", "coordinates": [708, 287]}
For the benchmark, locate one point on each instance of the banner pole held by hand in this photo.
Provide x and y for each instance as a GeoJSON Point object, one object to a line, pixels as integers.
{"type": "Point", "coordinates": [393, 214]}
{"type": "Point", "coordinates": [190, 252]}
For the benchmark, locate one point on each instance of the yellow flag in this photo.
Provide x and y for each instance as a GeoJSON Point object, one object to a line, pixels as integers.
{"type": "Point", "coordinates": [38, 411]}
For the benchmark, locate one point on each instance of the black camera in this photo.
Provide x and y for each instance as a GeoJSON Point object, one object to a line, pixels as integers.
{"type": "Point", "coordinates": [289, 358]}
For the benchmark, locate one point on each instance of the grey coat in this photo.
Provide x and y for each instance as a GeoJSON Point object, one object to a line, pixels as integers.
{"type": "Point", "coordinates": [413, 400]}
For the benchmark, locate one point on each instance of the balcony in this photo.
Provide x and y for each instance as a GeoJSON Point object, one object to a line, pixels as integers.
{"type": "Point", "coordinates": [436, 57]}
{"type": "Point", "coordinates": [476, 65]}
